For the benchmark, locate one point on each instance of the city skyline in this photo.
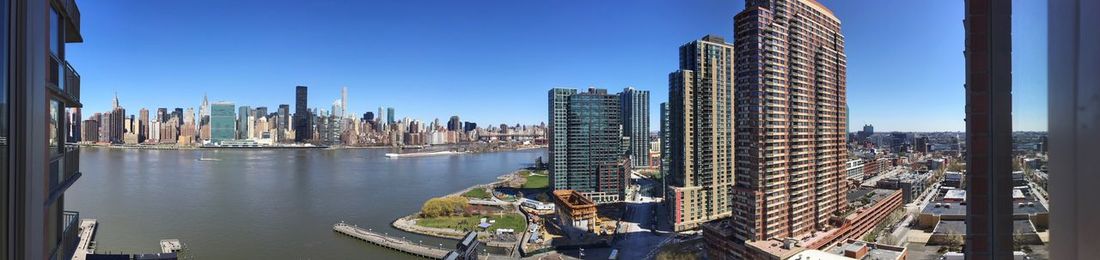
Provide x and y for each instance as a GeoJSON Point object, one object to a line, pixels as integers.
{"type": "Point", "coordinates": [882, 87]}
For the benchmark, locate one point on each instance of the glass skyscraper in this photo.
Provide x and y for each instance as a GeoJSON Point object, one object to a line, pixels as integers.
{"type": "Point", "coordinates": [586, 143]}
{"type": "Point", "coordinates": [223, 122]}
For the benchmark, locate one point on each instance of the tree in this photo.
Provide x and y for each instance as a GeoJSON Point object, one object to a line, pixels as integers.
{"type": "Point", "coordinates": [446, 206]}
{"type": "Point", "coordinates": [952, 242]}
{"type": "Point", "coordinates": [1019, 242]}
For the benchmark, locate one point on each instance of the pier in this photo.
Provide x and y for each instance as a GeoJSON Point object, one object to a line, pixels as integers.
{"type": "Point", "coordinates": [401, 245]}
{"type": "Point", "coordinates": [84, 247]}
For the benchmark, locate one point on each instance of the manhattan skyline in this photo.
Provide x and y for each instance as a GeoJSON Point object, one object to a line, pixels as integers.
{"type": "Point", "coordinates": [905, 60]}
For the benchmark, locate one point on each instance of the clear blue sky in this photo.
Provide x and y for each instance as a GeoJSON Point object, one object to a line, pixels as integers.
{"type": "Point", "coordinates": [493, 61]}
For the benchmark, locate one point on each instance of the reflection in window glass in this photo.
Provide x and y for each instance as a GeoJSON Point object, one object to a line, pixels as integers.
{"type": "Point", "coordinates": [55, 33]}
{"type": "Point", "coordinates": [52, 129]}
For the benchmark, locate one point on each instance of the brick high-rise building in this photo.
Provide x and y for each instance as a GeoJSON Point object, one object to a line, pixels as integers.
{"type": "Point", "coordinates": [791, 106]}
{"type": "Point", "coordinates": [700, 136]}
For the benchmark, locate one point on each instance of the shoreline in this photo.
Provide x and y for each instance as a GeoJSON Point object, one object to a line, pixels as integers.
{"type": "Point", "coordinates": [422, 154]}
{"type": "Point", "coordinates": [407, 223]}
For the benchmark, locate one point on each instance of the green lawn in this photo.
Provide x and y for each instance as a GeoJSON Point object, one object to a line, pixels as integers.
{"type": "Point", "coordinates": [513, 221]}
{"type": "Point", "coordinates": [538, 180]}
{"type": "Point", "coordinates": [477, 193]}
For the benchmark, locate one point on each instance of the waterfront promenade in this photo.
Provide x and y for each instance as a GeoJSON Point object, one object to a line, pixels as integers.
{"type": "Point", "coordinates": [84, 247]}
{"type": "Point", "coordinates": [401, 245]}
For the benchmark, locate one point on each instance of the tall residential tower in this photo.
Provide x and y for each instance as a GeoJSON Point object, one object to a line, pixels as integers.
{"type": "Point", "coordinates": [701, 135]}
{"type": "Point", "coordinates": [635, 115]}
{"type": "Point", "coordinates": [790, 126]}
{"type": "Point", "coordinates": [586, 144]}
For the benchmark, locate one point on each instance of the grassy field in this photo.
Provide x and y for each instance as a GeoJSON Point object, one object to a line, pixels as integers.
{"type": "Point", "coordinates": [537, 180]}
{"type": "Point", "coordinates": [513, 221]}
{"type": "Point", "coordinates": [477, 193]}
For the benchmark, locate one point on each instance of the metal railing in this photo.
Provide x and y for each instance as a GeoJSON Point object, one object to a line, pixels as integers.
{"type": "Point", "coordinates": [72, 160]}
{"type": "Point", "coordinates": [70, 236]}
{"type": "Point", "coordinates": [72, 82]}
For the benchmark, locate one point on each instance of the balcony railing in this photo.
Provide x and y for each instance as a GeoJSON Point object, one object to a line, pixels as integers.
{"type": "Point", "coordinates": [64, 171]}
{"type": "Point", "coordinates": [72, 82]}
{"type": "Point", "coordinates": [73, 32]}
{"type": "Point", "coordinates": [72, 160]}
{"type": "Point", "coordinates": [70, 236]}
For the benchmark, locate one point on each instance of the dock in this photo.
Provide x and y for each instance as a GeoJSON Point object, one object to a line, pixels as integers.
{"type": "Point", "coordinates": [397, 244]}
{"type": "Point", "coordinates": [84, 247]}
{"type": "Point", "coordinates": [170, 246]}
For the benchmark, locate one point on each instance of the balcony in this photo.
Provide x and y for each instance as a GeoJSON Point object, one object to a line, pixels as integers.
{"type": "Point", "coordinates": [64, 171]}
{"type": "Point", "coordinates": [70, 236]}
{"type": "Point", "coordinates": [64, 82]}
{"type": "Point", "coordinates": [73, 27]}
{"type": "Point", "coordinates": [72, 83]}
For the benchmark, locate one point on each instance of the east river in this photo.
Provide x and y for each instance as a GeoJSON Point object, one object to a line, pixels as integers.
{"type": "Point", "coordinates": [267, 204]}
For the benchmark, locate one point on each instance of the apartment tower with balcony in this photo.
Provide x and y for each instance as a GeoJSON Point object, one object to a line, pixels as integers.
{"type": "Point", "coordinates": [700, 134]}
{"type": "Point", "coordinates": [791, 108]}
{"type": "Point", "coordinates": [37, 165]}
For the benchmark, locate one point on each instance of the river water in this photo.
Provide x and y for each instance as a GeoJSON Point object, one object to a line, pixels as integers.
{"type": "Point", "coordinates": [267, 204]}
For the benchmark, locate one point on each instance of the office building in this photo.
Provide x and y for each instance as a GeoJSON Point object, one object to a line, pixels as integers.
{"type": "Point", "coordinates": [454, 124]}
{"type": "Point", "coordinates": [586, 143]}
{"type": "Point", "coordinates": [303, 128]}
{"type": "Point", "coordinates": [143, 125]}
{"type": "Point", "coordinates": [117, 123]}
{"type": "Point", "coordinates": [389, 115]}
{"type": "Point", "coordinates": [368, 116]}
{"type": "Point", "coordinates": [635, 115]}
{"type": "Point", "coordinates": [282, 123]}
{"type": "Point", "coordinates": [223, 122]}
{"type": "Point", "coordinates": [791, 100]}
{"type": "Point", "coordinates": [38, 87]}
{"type": "Point", "coordinates": [701, 136]}
{"type": "Point", "coordinates": [243, 116]}
{"type": "Point", "coordinates": [469, 126]}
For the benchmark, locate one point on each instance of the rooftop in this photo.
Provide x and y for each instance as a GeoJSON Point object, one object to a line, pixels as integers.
{"type": "Point", "coordinates": [874, 251]}
{"type": "Point", "coordinates": [573, 199]}
{"type": "Point", "coordinates": [950, 227]}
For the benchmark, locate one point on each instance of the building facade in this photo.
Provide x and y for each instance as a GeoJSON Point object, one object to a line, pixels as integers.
{"type": "Point", "coordinates": [303, 128]}
{"type": "Point", "coordinates": [586, 143]}
{"type": "Point", "coordinates": [635, 115]}
{"type": "Point", "coordinates": [791, 100]}
{"type": "Point", "coordinates": [38, 87]}
{"type": "Point", "coordinates": [223, 122]}
{"type": "Point", "coordinates": [700, 136]}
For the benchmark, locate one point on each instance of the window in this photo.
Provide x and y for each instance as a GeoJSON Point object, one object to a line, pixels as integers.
{"type": "Point", "coordinates": [55, 33]}
{"type": "Point", "coordinates": [54, 128]}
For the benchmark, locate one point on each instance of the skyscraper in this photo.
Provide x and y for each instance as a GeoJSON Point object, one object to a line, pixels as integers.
{"type": "Point", "coordinates": [223, 122]}
{"type": "Point", "coordinates": [303, 130]}
{"type": "Point", "coordinates": [635, 115]}
{"type": "Point", "coordinates": [343, 102]}
{"type": "Point", "coordinates": [558, 126]}
{"type": "Point", "coordinates": [282, 122]}
{"type": "Point", "coordinates": [454, 124]}
{"type": "Point", "coordinates": [143, 125]}
{"type": "Point", "coordinates": [243, 114]}
{"type": "Point", "coordinates": [701, 135]}
{"type": "Point", "coordinates": [586, 152]}
{"type": "Point", "coordinates": [791, 141]}
{"type": "Point", "coordinates": [117, 123]}
{"type": "Point", "coordinates": [389, 115]}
